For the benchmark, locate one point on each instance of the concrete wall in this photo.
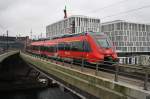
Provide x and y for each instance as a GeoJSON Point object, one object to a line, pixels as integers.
{"type": "Point", "coordinates": [97, 86]}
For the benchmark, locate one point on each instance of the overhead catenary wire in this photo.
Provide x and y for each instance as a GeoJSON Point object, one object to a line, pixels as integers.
{"type": "Point", "coordinates": [108, 6]}
{"type": "Point", "coordinates": [128, 11]}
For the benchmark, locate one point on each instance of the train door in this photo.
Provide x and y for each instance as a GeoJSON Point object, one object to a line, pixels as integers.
{"type": "Point", "coordinates": [64, 49]}
{"type": "Point", "coordinates": [79, 49]}
{"type": "Point", "coordinates": [76, 49]}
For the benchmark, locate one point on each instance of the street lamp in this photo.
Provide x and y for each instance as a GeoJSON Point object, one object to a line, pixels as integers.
{"type": "Point", "coordinates": [7, 40]}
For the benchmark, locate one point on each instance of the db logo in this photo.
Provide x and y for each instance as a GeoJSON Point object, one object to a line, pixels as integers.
{"type": "Point", "coordinates": [67, 53]}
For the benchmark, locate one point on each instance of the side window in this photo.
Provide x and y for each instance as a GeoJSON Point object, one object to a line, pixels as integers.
{"type": "Point", "coordinates": [74, 46]}
{"type": "Point", "coordinates": [86, 47]}
{"type": "Point", "coordinates": [67, 46]}
{"type": "Point", "coordinates": [38, 47]}
{"type": "Point", "coordinates": [55, 48]}
{"type": "Point", "coordinates": [52, 48]}
{"type": "Point", "coordinates": [46, 48]}
{"type": "Point", "coordinates": [82, 46]}
{"type": "Point", "coordinates": [77, 46]}
{"type": "Point", "coordinates": [61, 46]}
{"type": "Point", "coordinates": [35, 48]}
{"type": "Point", "coordinates": [42, 48]}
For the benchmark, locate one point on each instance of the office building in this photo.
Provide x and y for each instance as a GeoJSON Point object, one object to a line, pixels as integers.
{"type": "Point", "coordinates": [73, 24]}
{"type": "Point", "coordinates": [131, 39]}
{"type": "Point", "coordinates": [12, 43]}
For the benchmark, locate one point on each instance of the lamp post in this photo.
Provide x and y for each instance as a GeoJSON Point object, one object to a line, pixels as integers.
{"type": "Point", "coordinates": [3, 47]}
{"type": "Point", "coordinates": [7, 40]}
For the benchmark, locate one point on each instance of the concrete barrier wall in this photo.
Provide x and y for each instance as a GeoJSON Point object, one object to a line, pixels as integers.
{"type": "Point", "coordinates": [97, 86]}
{"type": "Point", "coordinates": [7, 54]}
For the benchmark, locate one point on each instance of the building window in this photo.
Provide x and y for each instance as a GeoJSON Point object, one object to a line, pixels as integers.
{"type": "Point", "coordinates": [125, 26]}
{"type": "Point", "coordinates": [143, 27]}
{"type": "Point", "coordinates": [118, 26]}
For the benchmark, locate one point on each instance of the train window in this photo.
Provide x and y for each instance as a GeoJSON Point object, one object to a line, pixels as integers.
{"type": "Point", "coordinates": [55, 48]}
{"type": "Point", "coordinates": [42, 48]}
{"type": "Point", "coordinates": [67, 46]}
{"type": "Point", "coordinates": [35, 48]}
{"type": "Point", "coordinates": [32, 47]}
{"type": "Point", "coordinates": [86, 46]}
{"type": "Point", "coordinates": [77, 46]}
{"type": "Point", "coordinates": [74, 46]}
{"type": "Point", "coordinates": [82, 46]}
{"type": "Point", "coordinates": [52, 49]}
{"type": "Point", "coordinates": [103, 42]}
{"type": "Point", "coordinates": [61, 46]}
{"type": "Point", "coordinates": [47, 48]}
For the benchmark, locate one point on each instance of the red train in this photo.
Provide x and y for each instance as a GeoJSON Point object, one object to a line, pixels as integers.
{"type": "Point", "coordinates": [93, 47]}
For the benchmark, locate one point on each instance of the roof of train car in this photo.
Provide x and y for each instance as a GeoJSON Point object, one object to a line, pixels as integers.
{"type": "Point", "coordinates": [65, 38]}
{"type": "Point", "coordinates": [69, 39]}
{"type": "Point", "coordinates": [55, 41]}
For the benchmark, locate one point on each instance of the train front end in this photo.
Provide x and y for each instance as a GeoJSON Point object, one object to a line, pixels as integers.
{"type": "Point", "coordinates": [103, 48]}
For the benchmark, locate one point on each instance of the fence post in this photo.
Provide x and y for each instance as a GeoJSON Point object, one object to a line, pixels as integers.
{"type": "Point", "coordinates": [116, 72]}
{"type": "Point", "coordinates": [56, 61]}
{"type": "Point", "coordinates": [71, 64]}
{"type": "Point", "coordinates": [96, 72]}
{"type": "Point", "coordinates": [82, 64]}
{"type": "Point", "coordinates": [63, 62]}
{"type": "Point", "coordinates": [46, 57]}
{"type": "Point", "coordinates": [146, 79]}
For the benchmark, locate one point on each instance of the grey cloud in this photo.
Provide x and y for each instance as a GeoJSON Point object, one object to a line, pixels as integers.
{"type": "Point", "coordinates": [20, 16]}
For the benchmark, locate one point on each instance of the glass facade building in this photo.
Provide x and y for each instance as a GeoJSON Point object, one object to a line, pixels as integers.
{"type": "Point", "coordinates": [130, 39]}
{"type": "Point", "coordinates": [73, 24]}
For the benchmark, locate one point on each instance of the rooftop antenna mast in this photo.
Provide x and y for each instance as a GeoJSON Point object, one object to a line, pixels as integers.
{"type": "Point", "coordinates": [65, 12]}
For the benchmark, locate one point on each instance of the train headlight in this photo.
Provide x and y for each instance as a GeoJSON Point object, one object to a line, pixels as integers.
{"type": "Point", "coordinates": [87, 55]}
{"type": "Point", "coordinates": [114, 55]}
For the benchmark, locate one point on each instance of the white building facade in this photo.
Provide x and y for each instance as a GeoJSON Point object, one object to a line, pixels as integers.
{"type": "Point", "coordinates": [130, 39]}
{"type": "Point", "coordinates": [73, 24]}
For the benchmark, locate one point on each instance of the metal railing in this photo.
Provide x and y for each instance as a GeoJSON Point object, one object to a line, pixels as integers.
{"type": "Point", "coordinates": [3, 51]}
{"type": "Point", "coordinates": [135, 72]}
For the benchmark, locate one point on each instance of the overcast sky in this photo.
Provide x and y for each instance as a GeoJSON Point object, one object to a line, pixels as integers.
{"type": "Point", "coordinates": [20, 16]}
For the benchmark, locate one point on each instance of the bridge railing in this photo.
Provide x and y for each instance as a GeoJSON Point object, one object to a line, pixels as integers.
{"type": "Point", "coordinates": [138, 72]}
{"type": "Point", "coordinates": [2, 51]}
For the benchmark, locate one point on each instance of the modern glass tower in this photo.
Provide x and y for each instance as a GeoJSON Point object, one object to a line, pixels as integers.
{"type": "Point", "coordinates": [131, 39]}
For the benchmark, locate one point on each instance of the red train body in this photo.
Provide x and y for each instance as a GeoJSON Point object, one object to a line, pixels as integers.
{"type": "Point", "coordinates": [93, 47]}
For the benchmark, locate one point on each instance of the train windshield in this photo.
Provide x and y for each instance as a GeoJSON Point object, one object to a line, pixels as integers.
{"type": "Point", "coordinates": [101, 39]}
{"type": "Point", "coordinates": [103, 42]}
